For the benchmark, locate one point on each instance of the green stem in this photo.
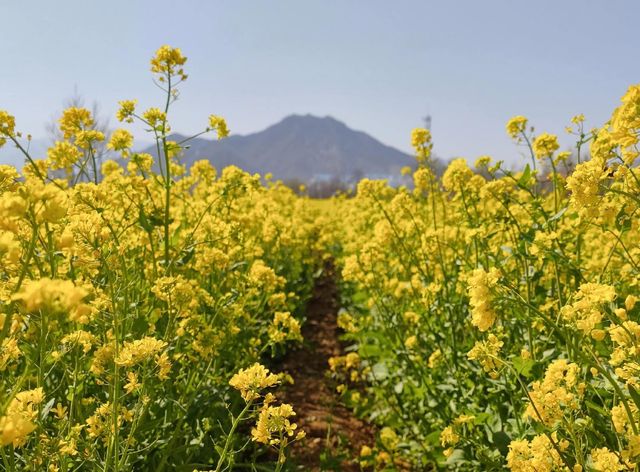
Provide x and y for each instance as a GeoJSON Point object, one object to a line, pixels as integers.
{"type": "Point", "coordinates": [227, 444]}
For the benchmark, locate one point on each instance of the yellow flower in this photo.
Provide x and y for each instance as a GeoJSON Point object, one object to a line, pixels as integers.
{"type": "Point", "coordinates": [126, 110]}
{"type": "Point", "coordinates": [56, 296]}
{"type": "Point", "coordinates": [603, 460]}
{"type": "Point", "coordinates": [155, 117]}
{"type": "Point", "coordinates": [389, 438]}
{"type": "Point", "coordinates": [252, 380]}
{"type": "Point", "coordinates": [7, 126]}
{"type": "Point", "coordinates": [7, 123]}
{"type": "Point", "coordinates": [284, 327]}
{"type": "Point", "coordinates": [164, 365]}
{"type": "Point", "coordinates": [516, 126]}
{"type": "Point", "coordinates": [9, 352]}
{"type": "Point", "coordinates": [448, 437]}
{"type": "Point", "coordinates": [14, 429]}
{"type": "Point", "coordinates": [63, 155]}
{"type": "Point", "coordinates": [218, 124]}
{"type": "Point", "coordinates": [9, 248]}
{"type": "Point", "coordinates": [263, 276]}
{"type": "Point", "coordinates": [132, 383]}
{"type": "Point", "coordinates": [140, 350]}
{"type": "Point", "coordinates": [8, 177]}
{"type": "Point", "coordinates": [539, 455]}
{"type": "Point", "coordinates": [80, 337]}
{"type": "Point", "coordinates": [421, 142]}
{"type": "Point", "coordinates": [577, 119]}
{"type": "Point", "coordinates": [420, 137]}
{"type": "Point", "coordinates": [347, 322]}
{"type": "Point", "coordinates": [410, 342]}
{"type": "Point", "coordinates": [434, 359]}
{"type": "Point", "coordinates": [586, 310]}
{"type": "Point", "coordinates": [457, 175]}
{"type": "Point", "coordinates": [481, 284]}
{"type": "Point", "coordinates": [486, 353]}
{"type": "Point", "coordinates": [17, 422]}
{"type": "Point", "coordinates": [555, 394]}
{"type": "Point", "coordinates": [121, 140]}
{"type": "Point", "coordinates": [60, 410]}
{"type": "Point", "coordinates": [86, 138]}
{"type": "Point", "coordinates": [273, 421]}
{"type": "Point", "coordinates": [545, 145]}
{"type": "Point", "coordinates": [140, 162]}
{"type": "Point", "coordinates": [75, 120]}
{"type": "Point", "coordinates": [168, 61]}
{"type": "Point", "coordinates": [482, 162]}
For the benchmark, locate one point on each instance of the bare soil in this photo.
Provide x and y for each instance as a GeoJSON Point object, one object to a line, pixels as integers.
{"type": "Point", "coordinates": [334, 435]}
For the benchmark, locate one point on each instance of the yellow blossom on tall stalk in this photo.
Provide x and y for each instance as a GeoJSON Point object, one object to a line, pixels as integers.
{"type": "Point", "coordinates": [545, 145]}
{"type": "Point", "coordinates": [121, 140]}
{"type": "Point", "coordinates": [74, 120]}
{"type": "Point", "coordinates": [273, 424]}
{"type": "Point", "coordinates": [487, 354]}
{"type": "Point", "coordinates": [219, 124]}
{"type": "Point", "coordinates": [55, 296]}
{"type": "Point", "coordinates": [126, 110]}
{"type": "Point", "coordinates": [168, 61]}
{"type": "Point", "coordinates": [7, 126]}
{"type": "Point", "coordinates": [481, 286]}
{"type": "Point", "coordinates": [603, 460]}
{"type": "Point", "coordinates": [516, 126]}
{"type": "Point", "coordinates": [18, 420]}
{"type": "Point", "coordinates": [140, 350]}
{"type": "Point", "coordinates": [252, 380]}
{"type": "Point", "coordinates": [155, 118]}
{"type": "Point", "coordinates": [457, 175]}
{"type": "Point", "coordinates": [556, 395]}
{"type": "Point", "coordinates": [586, 311]}
{"type": "Point", "coordinates": [421, 142]}
{"type": "Point", "coordinates": [63, 155]}
{"type": "Point", "coordinates": [625, 123]}
{"type": "Point", "coordinates": [537, 455]}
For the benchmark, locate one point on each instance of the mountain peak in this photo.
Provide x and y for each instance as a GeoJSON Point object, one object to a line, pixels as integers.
{"type": "Point", "coordinates": [304, 147]}
{"type": "Point", "coordinates": [310, 120]}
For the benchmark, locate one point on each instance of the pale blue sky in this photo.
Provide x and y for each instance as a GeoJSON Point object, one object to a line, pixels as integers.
{"type": "Point", "coordinates": [379, 66]}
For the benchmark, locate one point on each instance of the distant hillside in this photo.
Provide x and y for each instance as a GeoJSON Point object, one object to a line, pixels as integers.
{"type": "Point", "coordinates": [301, 148]}
{"type": "Point", "coordinates": [306, 148]}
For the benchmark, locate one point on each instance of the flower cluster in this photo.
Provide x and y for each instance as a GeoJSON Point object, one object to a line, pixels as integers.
{"type": "Point", "coordinates": [131, 291]}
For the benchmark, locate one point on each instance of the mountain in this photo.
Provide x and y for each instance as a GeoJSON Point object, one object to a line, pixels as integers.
{"type": "Point", "coordinates": [302, 147]}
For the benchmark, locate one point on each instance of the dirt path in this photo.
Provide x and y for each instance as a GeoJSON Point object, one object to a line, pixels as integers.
{"type": "Point", "coordinates": [334, 434]}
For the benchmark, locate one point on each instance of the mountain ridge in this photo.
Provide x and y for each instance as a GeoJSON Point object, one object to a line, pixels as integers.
{"type": "Point", "coordinates": [302, 147]}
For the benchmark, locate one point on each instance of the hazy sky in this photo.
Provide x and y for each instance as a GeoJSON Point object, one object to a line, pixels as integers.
{"type": "Point", "coordinates": [379, 66]}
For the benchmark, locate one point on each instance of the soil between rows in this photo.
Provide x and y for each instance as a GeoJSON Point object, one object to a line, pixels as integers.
{"type": "Point", "coordinates": [330, 426]}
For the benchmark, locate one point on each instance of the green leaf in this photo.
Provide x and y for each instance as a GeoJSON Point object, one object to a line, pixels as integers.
{"type": "Point", "coordinates": [501, 440]}
{"type": "Point", "coordinates": [47, 408]}
{"type": "Point", "coordinates": [557, 215]}
{"type": "Point", "coordinates": [369, 350]}
{"type": "Point", "coordinates": [144, 221]}
{"type": "Point", "coordinates": [623, 222]}
{"type": "Point", "coordinates": [524, 178]}
{"type": "Point", "coordinates": [635, 396]}
{"type": "Point", "coordinates": [523, 366]}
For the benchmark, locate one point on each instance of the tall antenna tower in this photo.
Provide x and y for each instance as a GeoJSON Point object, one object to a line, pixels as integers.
{"type": "Point", "coordinates": [427, 122]}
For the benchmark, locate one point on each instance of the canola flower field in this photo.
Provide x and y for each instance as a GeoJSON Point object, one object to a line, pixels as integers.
{"type": "Point", "coordinates": [490, 316]}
